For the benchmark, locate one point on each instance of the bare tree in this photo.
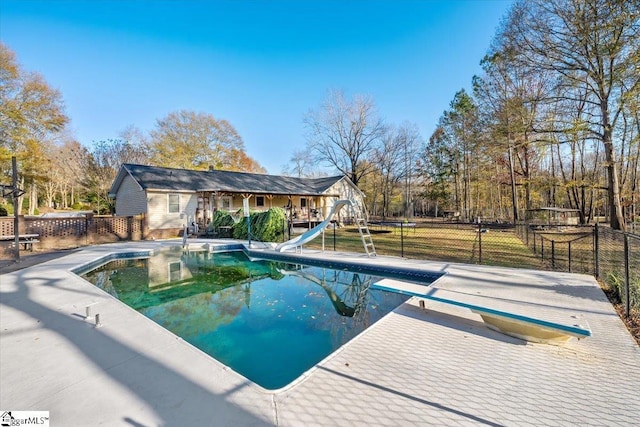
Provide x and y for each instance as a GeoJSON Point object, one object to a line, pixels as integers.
{"type": "Point", "coordinates": [389, 160]}
{"type": "Point", "coordinates": [301, 164]}
{"type": "Point", "coordinates": [135, 145]}
{"type": "Point", "coordinates": [409, 140]}
{"type": "Point", "coordinates": [102, 167]}
{"type": "Point", "coordinates": [596, 42]}
{"type": "Point", "coordinates": [344, 132]}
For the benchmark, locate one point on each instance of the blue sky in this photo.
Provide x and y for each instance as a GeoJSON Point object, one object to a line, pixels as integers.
{"type": "Point", "coordinates": [261, 65]}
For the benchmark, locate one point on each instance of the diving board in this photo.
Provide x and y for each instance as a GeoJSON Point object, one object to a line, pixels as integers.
{"type": "Point", "coordinates": [513, 324]}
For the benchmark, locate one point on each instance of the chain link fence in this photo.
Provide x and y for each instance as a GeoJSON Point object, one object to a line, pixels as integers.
{"type": "Point", "coordinates": [609, 255]}
{"type": "Point", "coordinates": [617, 263]}
{"type": "Point", "coordinates": [568, 249]}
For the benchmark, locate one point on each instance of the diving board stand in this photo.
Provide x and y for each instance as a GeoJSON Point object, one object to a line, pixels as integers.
{"type": "Point", "coordinates": [516, 325]}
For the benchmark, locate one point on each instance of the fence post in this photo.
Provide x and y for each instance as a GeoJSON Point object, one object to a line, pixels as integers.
{"type": "Point", "coordinates": [129, 228]}
{"type": "Point", "coordinates": [479, 242]}
{"type": "Point", "coordinates": [569, 257]}
{"type": "Point", "coordinates": [15, 199]}
{"type": "Point", "coordinates": [334, 236]}
{"type": "Point", "coordinates": [596, 251]}
{"type": "Point", "coordinates": [401, 240]}
{"type": "Point", "coordinates": [553, 254]}
{"type": "Point", "coordinates": [541, 247]}
{"type": "Point", "coordinates": [627, 279]}
{"type": "Point", "coordinates": [535, 249]}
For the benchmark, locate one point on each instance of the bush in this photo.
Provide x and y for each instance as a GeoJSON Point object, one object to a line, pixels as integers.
{"type": "Point", "coordinates": [265, 226]}
{"type": "Point", "coordinates": [221, 219]}
{"type": "Point", "coordinates": [240, 228]}
{"type": "Point", "coordinates": [268, 225]}
{"type": "Point", "coordinates": [3, 211]}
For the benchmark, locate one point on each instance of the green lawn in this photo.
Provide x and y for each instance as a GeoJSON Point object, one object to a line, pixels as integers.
{"type": "Point", "coordinates": [502, 248]}
{"type": "Point", "coordinates": [464, 244]}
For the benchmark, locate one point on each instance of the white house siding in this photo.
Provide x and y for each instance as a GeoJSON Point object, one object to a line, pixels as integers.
{"type": "Point", "coordinates": [159, 216]}
{"type": "Point", "coordinates": [167, 266]}
{"type": "Point", "coordinates": [345, 191]}
{"type": "Point", "coordinates": [237, 202]}
{"type": "Point", "coordinates": [131, 200]}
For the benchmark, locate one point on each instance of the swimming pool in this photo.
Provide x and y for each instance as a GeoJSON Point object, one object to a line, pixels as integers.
{"type": "Point", "coordinates": [270, 321]}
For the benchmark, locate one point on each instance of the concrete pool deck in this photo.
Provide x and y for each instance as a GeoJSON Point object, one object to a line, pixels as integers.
{"type": "Point", "coordinates": [435, 366]}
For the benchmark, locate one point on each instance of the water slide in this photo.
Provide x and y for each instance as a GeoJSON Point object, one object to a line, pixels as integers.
{"type": "Point", "coordinates": [315, 231]}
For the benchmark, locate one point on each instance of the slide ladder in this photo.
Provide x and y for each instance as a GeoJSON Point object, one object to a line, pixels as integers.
{"type": "Point", "coordinates": [365, 235]}
{"type": "Point", "coordinates": [360, 222]}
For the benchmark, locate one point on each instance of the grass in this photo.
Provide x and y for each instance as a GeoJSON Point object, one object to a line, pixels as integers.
{"type": "Point", "coordinates": [505, 248]}
{"type": "Point", "coordinates": [500, 248]}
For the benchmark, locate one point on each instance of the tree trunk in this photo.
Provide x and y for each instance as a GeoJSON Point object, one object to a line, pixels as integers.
{"type": "Point", "coordinates": [617, 218]}
{"type": "Point", "coordinates": [514, 194]}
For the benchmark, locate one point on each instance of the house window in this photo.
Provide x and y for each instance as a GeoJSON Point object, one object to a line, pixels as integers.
{"type": "Point", "coordinates": [174, 203]}
{"type": "Point", "coordinates": [227, 203]}
{"type": "Point", "coordinates": [259, 201]}
{"type": "Point", "coordinates": [303, 202]}
{"type": "Point", "coordinates": [175, 271]}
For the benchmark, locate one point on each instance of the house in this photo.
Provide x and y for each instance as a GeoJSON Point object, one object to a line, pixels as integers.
{"type": "Point", "coordinates": [171, 198]}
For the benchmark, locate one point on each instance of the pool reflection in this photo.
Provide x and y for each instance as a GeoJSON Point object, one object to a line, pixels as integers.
{"type": "Point", "coordinates": [243, 313]}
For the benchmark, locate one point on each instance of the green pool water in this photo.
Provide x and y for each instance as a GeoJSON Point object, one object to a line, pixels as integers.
{"type": "Point", "coordinates": [269, 321]}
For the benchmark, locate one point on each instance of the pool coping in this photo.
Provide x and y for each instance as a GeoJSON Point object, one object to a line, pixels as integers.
{"type": "Point", "coordinates": [51, 290]}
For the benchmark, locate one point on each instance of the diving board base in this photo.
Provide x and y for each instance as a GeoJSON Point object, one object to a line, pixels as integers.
{"type": "Point", "coordinates": [526, 331]}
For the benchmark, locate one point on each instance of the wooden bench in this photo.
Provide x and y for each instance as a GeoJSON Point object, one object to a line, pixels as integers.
{"type": "Point", "coordinates": [26, 240]}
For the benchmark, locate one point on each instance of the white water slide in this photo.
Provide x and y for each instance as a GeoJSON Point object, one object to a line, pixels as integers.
{"type": "Point", "coordinates": [315, 231]}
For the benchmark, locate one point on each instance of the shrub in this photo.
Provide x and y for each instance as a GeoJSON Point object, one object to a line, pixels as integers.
{"type": "Point", "coordinates": [269, 225]}
{"type": "Point", "coordinates": [240, 230]}
{"type": "Point", "coordinates": [265, 226]}
{"type": "Point", "coordinates": [221, 219]}
{"type": "Point", "coordinates": [3, 211]}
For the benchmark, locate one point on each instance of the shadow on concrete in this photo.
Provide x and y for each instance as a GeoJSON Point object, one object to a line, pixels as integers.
{"type": "Point", "coordinates": [175, 399]}
{"type": "Point", "coordinates": [26, 261]}
{"type": "Point", "coordinates": [462, 324]}
{"type": "Point", "coordinates": [470, 417]}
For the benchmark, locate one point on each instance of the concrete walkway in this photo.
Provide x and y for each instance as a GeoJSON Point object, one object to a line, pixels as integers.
{"type": "Point", "coordinates": [435, 366]}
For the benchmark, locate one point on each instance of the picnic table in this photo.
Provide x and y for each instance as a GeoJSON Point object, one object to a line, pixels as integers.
{"type": "Point", "coordinates": [26, 240]}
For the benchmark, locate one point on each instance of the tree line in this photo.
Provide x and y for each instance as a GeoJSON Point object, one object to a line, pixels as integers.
{"type": "Point", "coordinates": [57, 171]}
{"type": "Point", "coordinates": [553, 120]}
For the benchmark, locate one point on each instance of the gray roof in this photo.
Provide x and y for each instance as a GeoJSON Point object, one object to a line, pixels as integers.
{"type": "Point", "coordinates": [169, 179]}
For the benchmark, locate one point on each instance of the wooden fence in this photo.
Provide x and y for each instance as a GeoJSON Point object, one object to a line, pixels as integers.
{"type": "Point", "coordinates": [71, 232]}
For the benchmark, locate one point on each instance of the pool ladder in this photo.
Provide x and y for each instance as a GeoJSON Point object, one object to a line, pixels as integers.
{"type": "Point", "coordinates": [359, 217]}
{"type": "Point", "coordinates": [365, 235]}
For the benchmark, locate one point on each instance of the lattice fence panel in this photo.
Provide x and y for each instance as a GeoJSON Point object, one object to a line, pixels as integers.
{"type": "Point", "coordinates": [6, 226]}
{"type": "Point", "coordinates": [56, 227]}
